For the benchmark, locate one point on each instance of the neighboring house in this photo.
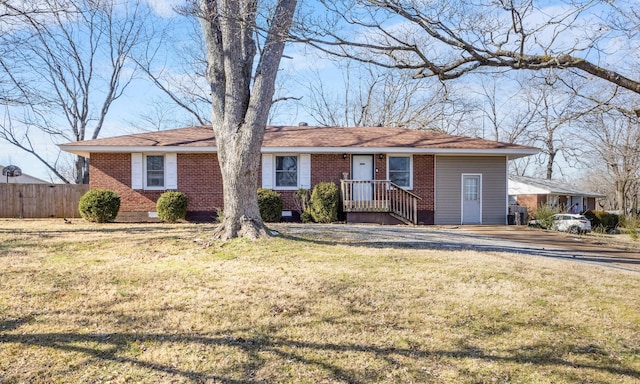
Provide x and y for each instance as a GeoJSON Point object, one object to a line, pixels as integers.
{"type": "Point", "coordinates": [386, 175]}
{"type": "Point", "coordinates": [532, 193]}
{"type": "Point", "coordinates": [22, 179]}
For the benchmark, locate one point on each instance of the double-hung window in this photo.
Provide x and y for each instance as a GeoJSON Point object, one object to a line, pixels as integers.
{"type": "Point", "coordinates": [155, 171]}
{"type": "Point", "coordinates": [400, 170]}
{"type": "Point", "coordinates": [286, 171]}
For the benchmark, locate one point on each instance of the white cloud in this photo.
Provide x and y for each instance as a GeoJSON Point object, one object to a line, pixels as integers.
{"type": "Point", "coordinates": [164, 8]}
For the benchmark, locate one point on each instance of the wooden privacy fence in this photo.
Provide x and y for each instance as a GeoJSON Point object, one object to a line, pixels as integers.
{"type": "Point", "coordinates": [32, 201]}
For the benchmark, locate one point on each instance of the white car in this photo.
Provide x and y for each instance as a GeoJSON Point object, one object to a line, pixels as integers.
{"type": "Point", "coordinates": [572, 223]}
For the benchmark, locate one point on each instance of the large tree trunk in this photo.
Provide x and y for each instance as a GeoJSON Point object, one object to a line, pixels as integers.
{"type": "Point", "coordinates": [241, 95]}
{"type": "Point", "coordinates": [239, 162]}
{"type": "Point", "coordinates": [82, 170]}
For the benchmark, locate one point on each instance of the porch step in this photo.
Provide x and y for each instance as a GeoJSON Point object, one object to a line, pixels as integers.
{"type": "Point", "coordinates": [400, 218]}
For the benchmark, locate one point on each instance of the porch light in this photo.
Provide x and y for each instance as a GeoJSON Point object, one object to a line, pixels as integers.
{"type": "Point", "coordinates": [380, 156]}
{"type": "Point", "coordinates": [344, 156]}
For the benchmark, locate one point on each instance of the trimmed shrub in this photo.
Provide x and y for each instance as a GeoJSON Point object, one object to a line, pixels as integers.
{"type": "Point", "coordinates": [270, 204]}
{"type": "Point", "coordinates": [608, 220]}
{"type": "Point", "coordinates": [306, 216]}
{"type": "Point", "coordinates": [172, 206]}
{"type": "Point", "coordinates": [324, 202]}
{"type": "Point", "coordinates": [99, 205]}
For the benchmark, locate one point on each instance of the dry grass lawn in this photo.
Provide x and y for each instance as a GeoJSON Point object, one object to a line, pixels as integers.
{"type": "Point", "coordinates": [148, 303]}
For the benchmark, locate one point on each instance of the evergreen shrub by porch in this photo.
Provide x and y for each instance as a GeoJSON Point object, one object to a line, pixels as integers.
{"type": "Point", "coordinates": [172, 206]}
{"type": "Point", "coordinates": [603, 219]}
{"type": "Point", "coordinates": [324, 202]}
{"type": "Point", "coordinates": [99, 205]}
{"type": "Point", "coordinates": [270, 204]}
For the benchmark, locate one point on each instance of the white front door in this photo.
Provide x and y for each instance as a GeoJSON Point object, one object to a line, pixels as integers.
{"type": "Point", "coordinates": [362, 170]}
{"type": "Point", "coordinates": [471, 199]}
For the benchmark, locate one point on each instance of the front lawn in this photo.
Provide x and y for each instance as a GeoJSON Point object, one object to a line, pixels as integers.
{"type": "Point", "coordinates": [149, 303]}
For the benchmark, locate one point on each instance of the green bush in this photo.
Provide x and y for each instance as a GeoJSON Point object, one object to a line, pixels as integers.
{"type": "Point", "coordinates": [270, 204]}
{"type": "Point", "coordinates": [324, 202]}
{"type": "Point", "coordinates": [630, 224]}
{"type": "Point", "coordinates": [172, 206]}
{"type": "Point", "coordinates": [593, 218]}
{"type": "Point", "coordinates": [99, 205]}
{"type": "Point", "coordinates": [306, 216]}
{"type": "Point", "coordinates": [602, 219]}
{"type": "Point", "coordinates": [544, 215]}
{"type": "Point", "coordinates": [608, 220]}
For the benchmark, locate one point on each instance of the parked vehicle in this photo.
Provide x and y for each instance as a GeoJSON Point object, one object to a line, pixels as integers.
{"type": "Point", "coordinates": [572, 223]}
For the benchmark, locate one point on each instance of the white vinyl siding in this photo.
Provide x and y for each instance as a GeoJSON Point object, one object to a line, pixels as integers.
{"type": "Point", "coordinates": [449, 171]}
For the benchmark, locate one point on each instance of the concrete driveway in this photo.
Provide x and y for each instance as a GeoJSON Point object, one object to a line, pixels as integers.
{"type": "Point", "coordinates": [611, 251]}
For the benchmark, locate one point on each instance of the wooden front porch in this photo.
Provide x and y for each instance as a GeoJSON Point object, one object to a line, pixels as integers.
{"type": "Point", "coordinates": [379, 196]}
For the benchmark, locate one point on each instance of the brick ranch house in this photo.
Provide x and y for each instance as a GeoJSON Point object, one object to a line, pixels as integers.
{"type": "Point", "coordinates": [386, 175]}
{"type": "Point", "coordinates": [532, 193]}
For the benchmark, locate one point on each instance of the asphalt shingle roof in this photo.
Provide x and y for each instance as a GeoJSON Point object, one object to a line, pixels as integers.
{"type": "Point", "coordinates": [305, 137]}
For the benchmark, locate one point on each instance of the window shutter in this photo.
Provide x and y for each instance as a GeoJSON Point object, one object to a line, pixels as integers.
{"type": "Point", "coordinates": [171, 170]}
{"type": "Point", "coordinates": [267, 171]}
{"type": "Point", "coordinates": [137, 181]}
{"type": "Point", "coordinates": [305, 171]}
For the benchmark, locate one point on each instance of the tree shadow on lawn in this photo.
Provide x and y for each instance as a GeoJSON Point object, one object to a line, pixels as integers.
{"type": "Point", "coordinates": [113, 348]}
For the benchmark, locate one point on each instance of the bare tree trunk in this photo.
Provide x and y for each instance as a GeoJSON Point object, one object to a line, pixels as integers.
{"type": "Point", "coordinates": [241, 98]}
{"type": "Point", "coordinates": [82, 170]}
{"type": "Point", "coordinates": [240, 185]}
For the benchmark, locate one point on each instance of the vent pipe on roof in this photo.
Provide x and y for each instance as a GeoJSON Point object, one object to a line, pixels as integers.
{"type": "Point", "coordinates": [302, 124]}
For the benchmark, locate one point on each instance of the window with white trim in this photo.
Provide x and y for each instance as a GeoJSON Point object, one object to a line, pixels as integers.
{"type": "Point", "coordinates": [286, 171]}
{"type": "Point", "coordinates": [154, 171]}
{"type": "Point", "coordinates": [400, 170]}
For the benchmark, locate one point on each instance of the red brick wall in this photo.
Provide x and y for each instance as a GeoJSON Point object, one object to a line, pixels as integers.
{"type": "Point", "coordinates": [532, 202]}
{"type": "Point", "coordinates": [113, 171]}
{"type": "Point", "coordinates": [423, 181]}
{"type": "Point", "coordinates": [200, 179]}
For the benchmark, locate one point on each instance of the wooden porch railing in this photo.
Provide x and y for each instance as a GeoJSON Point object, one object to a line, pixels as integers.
{"type": "Point", "coordinates": [379, 196]}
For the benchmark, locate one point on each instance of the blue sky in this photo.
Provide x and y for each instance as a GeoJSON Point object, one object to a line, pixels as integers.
{"type": "Point", "coordinates": [125, 112]}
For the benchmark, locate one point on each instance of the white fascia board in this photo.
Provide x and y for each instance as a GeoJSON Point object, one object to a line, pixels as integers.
{"type": "Point", "coordinates": [86, 150]}
{"type": "Point", "coordinates": [511, 153]}
{"type": "Point", "coordinates": [518, 188]}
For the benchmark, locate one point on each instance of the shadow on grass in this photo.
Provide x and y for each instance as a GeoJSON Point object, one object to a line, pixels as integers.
{"type": "Point", "coordinates": [113, 348]}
